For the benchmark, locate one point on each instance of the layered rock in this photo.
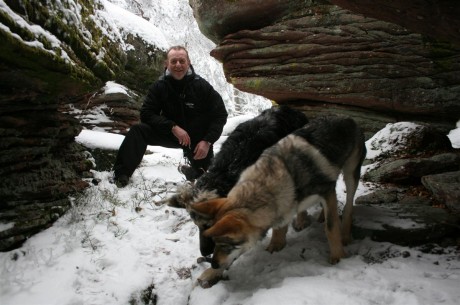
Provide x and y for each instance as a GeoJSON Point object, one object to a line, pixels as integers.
{"type": "Point", "coordinates": [53, 54]}
{"type": "Point", "coordinates": [315, 55]}
{"type": "Point", "coordinates": [437, 19]}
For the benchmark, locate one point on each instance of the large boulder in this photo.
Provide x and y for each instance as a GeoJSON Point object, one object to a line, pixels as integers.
{"type": "Point", "coordinates": [319, 55]}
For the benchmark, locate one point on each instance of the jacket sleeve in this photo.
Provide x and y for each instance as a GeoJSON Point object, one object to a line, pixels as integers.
{"type": "Point", "coordinates": [218, 115]}
{"type": "Point", "coordinates": [152, 109]}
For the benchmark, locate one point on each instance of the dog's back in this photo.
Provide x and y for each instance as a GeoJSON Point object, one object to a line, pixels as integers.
{"type": "Point", "coordinates": [245, 144]}
{"type": "Point", "coordinates": [337, 139]}
{"type": "Point", "coordinates": [314, 156]}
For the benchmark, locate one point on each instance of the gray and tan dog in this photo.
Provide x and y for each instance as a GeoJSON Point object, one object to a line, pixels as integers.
{"type": "Point", "coordinates": [241, 149]}
{"type": "Point", "coordinates": [300, 170]}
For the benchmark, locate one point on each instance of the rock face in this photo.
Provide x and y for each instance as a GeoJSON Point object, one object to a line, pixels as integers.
{"type": "Point", "coordinates": [316, 55]}
{"type": "Point", "coordinates": [54, 54]}
{"type": "Point", "coordinates": [438, 19]}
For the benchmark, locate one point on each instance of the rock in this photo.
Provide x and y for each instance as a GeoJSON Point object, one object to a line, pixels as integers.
{"type": "Point", "coordinates": [216, 19]}
{"type": "Point", "coordinates": [121, 111]}
{"type": "Point", "coordinates": [410, 171]}
{"type": "Point", "coordinates": [445, 188]}
{"type": "Point", "coordinates": [104, 159]}
{"type": "Point", "coordinates": [391, 195]}
{"type": "Point", "coordinates": [312, 52]}
{"type": "Point", "coordinates": [404, 224]}
{"type": "Point", "coordinates": [405, 140]}
{"type": "Point", "coordinates": [381, 196]}
{"type": "Point", "coordinates": [437, 19]}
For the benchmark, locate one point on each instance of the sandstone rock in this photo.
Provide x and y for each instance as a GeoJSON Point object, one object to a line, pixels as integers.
{"type": "Point", "coordinates": [437, 19]}
{"type": "Point", "coordinates": [445, 188]}
{"type": "Point", "coordinates": [121, 111]}
{"type": "Point", "coordinates": [405, 140]}
{"type": "Point", "coordinates": [404, 224]}
{"type": "Point", "coordinates": [410, 171]}
{"type": "Point", "coordinates": [319, 53]}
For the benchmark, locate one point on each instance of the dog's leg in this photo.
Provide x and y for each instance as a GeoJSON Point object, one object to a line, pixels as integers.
{"type": "Point", "coordinates": [351, 175]}
{"type": "Point", "coordinates": [278, 240]}
{"type": "Point", "coordinates": [347, 216]}
{"type": "Point", "coordinates": [301, 221]}
{"type": "Point", "coordinates": [333, 231]}
{"type": "Point", "coordinates": [210, 277]}
{"type": "Point", "coordinates": [321, 216]}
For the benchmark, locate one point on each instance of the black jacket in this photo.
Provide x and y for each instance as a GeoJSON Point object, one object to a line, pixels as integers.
{"type": "Point", "coordinates": [192, 103]}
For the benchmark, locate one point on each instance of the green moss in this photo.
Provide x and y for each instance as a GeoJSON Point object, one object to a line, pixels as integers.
{"type": "Point", "coordinates": [24, 33]}
{"type": "Point", "coordinates": [45, 66]}
{"type": "Point", "coordinates": [254, 83]}
{"type": "Point", "coordinates": [80, 49]}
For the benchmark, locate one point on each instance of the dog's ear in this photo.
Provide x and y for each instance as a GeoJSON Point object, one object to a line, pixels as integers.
{"type": "Point", "coordinates": [227, 227]}
{"type": "Point", "coordinates": [207, 209]}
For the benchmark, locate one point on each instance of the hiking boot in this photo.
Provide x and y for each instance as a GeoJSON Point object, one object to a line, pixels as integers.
{"type": "Point", "coordinates": [121, 181]}
{"type": "Point", "coordinates": [190, 173]}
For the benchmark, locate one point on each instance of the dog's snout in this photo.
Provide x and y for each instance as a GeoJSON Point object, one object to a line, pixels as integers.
{"type": "Point", "coordinates": [206, 245]}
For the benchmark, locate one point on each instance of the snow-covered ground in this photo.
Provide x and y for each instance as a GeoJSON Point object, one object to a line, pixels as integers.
{"type": "Point", "coordinates": [116, 245]}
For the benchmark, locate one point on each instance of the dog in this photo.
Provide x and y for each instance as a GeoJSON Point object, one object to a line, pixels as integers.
{"type": "Point", "coordinates": [242, 148]}
{"type": "Point", "coordinates": [300, 170]}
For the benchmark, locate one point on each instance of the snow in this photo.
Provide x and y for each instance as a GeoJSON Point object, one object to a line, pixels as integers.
{"type": "Point", "coordinates": [454, 136]}
{"type": "Point", "coordinates": [112, 87]}
{"type": "Point", "coordinates": [130, 23]}
{"type": "Point", "coordinates": [389, 139]}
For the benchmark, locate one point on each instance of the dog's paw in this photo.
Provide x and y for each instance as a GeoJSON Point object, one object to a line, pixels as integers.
{"type": "Point", "coordinates": [301, 221]}
{"type": "Point", "coordinates": [335, 258]}
{"type": "Point", "coordinates": [346, 240]}
{"type": "Point", "coordinates": [275, 247]}
{"type": "Point", "coordinates": [210, 277]}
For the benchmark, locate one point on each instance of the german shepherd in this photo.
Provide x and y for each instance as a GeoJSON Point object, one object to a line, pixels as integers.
{"type": "Point", "coordinates": [241, 149]}
{"type": "Point", "coordinates": [300, 170]}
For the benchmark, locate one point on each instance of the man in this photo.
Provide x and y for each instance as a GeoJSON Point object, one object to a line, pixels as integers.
{"type": "Point", "coordinates": [181, 110]}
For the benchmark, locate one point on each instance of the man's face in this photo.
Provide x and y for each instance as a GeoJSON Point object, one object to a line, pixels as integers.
{"type": "Point", "coordinates": [177, 63]}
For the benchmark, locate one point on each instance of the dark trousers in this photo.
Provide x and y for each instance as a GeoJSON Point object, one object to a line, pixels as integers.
{"type": "Point", "coordinates": [133, 147]}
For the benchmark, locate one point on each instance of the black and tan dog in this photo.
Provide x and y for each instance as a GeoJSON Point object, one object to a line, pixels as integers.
{"type": "Point", "coordinates": [241, 149]}
{"type": "Point", "coordinates": [298, 171]}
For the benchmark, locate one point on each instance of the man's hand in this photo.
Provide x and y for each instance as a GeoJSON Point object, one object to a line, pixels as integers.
{"type": "Point", "coordinates": [201, 150]}
{"type": "Point", "coordinates": [181, 135]}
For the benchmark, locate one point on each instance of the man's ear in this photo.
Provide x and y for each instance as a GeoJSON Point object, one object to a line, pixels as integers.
{"type": "Point", "coordinates": [207, 209]}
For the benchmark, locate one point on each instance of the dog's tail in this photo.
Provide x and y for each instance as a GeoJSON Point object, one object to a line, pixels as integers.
{"type": "Point", "coordinates": [182, 198]}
